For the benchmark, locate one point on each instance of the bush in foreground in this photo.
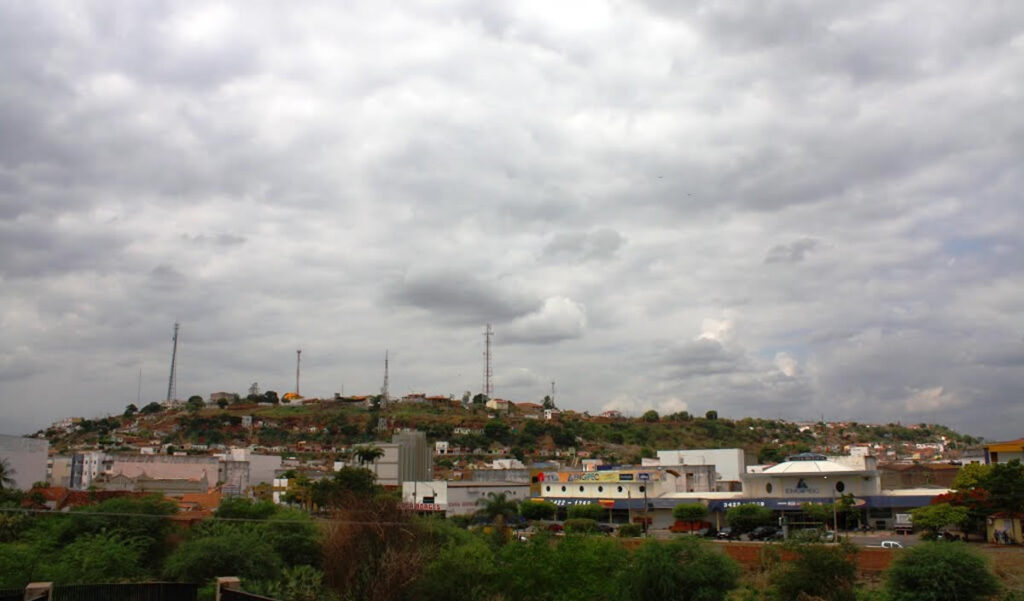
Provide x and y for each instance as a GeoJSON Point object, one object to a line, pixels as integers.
{"type": "Point", "coordinates": [940, 571]}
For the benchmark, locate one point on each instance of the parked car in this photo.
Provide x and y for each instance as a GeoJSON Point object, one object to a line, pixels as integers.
{"type": "Point", "coordinates": [728, 533]}
{"type": "Point", "coordinates": [891, 544]}
{"type": "Point", "coordinates": [605, 528]}
{"type": "Point", "coordinates": [762, 533]}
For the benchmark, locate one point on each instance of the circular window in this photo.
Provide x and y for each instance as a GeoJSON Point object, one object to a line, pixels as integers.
{"type": "Point", "coordinates": [600, 489]}
{"type": "Point", "coordinates": [840, 487]}
{"type": "Point", "coordinates": [581, 489]}
{"type": "Point", "coordinates": [563, 489]}
{"type": "Point", "coordinates": [768, 488]}
{"type": "Point", "coordinates": [643, 489]}
{"type": "Point", "coordinates": [620, 489]}
{"type": "Point", "coordinates": [547, 489]}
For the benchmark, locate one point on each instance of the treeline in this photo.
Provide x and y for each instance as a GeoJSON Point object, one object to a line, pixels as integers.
{"type": "Point", "coordinates": [369, 548]}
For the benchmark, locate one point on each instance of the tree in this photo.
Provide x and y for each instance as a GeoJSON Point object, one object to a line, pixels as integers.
{"type": "Point", "coordinates": [497, 431]}
{"type": "Point", "coordinates": [96, 558]}
{"type": "Point", "coordinates": [242, 508]}
{"type": "Point", "coordinates": [6, 475]}
{"type": "Point", "coordinates": [496, 507]}
{"type": "Point", "coordinates": [940, 571]}
{"type": "Point", "coordinates": [711, 415]}
{"type": "Point", "coordinates": [462, 570]}
{"type": "Point", "coordinates": [971, 476]}
{"type": "Point", "coordinates": [548, 402]}
{"type": "Point", "coordinates": [368, 454]}
{"type": "Point", "coordinates": [592, 511]}
{"type": "Point", "coordinates": [746, 517]}
{"type": "Point", "coordinates": [151, 408]}
{"type": "Point", "coordinates": [819, 571]}
{"type": "Point", "coordinates": [683, 569]}
{"type": "Point", "coordinates": [1005, 486]}
{"type": "Point", "coordinates": [194, 403]}
{"type": "Point", "coordinates": [271, 397]}
{"type": "Point", "coordinates": [690, 512]}
{"type": "Point", "coordinates": [222, 403]}
{"type": "Point", "coordinates": [934, 518]}
{"type": "Point", "coordinates": [538, 510]}
{"type": "Point", "coordinates": [130, 410]}
{"type": "Point", "coordinates": [349, 486]}
{"type": "Point", "coordinates": [651, 416]}
{"type": "Point", "coordinates": [480, 399]}
{"type": "Point", "coordinates": [237, 551]}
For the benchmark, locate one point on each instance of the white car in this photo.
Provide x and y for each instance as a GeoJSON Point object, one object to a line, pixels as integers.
{"type": "Point", "coordinates": [891, 544]}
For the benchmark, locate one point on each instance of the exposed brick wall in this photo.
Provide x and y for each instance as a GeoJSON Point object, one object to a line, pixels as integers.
{"type": "Point", "coordinates": [749, 555]}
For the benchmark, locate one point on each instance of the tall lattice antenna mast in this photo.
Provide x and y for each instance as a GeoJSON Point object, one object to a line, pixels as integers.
{"type": "Point", "coordinates": [172, 381]}
{"type": "Point", "coordinates": [384, 388]}
{"type": "Point", "coordinates": [298, 370]}
{"type": "Point", "coordinates": [488, 373]}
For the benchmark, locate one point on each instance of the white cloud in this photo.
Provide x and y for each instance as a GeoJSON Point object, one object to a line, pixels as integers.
{"type": "Point", "coordinates": [559, 318]}
{"type": "Point", "coordinates": [931, 399]}
{"type": "Point", "coordinates": [786, 363]}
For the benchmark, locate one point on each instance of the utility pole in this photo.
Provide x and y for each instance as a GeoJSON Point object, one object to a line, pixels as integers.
{"type": "Point", "coordinates": [488, 374]}
{"type": "Point", "coordinates": [172, 380]}
{"type": "Point", "coordinates": [298, 370]}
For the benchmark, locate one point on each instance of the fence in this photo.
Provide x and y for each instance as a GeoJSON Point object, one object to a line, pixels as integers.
{"type": "Point", "coordinates": [147, 591]}
{"type": "Point", "coordinates": [228, 594]}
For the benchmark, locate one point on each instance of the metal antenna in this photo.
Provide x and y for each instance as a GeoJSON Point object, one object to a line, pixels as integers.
{"type": "Point", "coordinates": [172, 381]}
{"type": "Point", "coordinates": [384, 389]}
{"type": "Point", "coordinates": [298, 369]}
{"type": "Point", "coordinates": [488, 373]}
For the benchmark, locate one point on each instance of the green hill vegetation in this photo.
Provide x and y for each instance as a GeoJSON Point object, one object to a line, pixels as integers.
{"type": "Point", "coordinates": [321, 427]}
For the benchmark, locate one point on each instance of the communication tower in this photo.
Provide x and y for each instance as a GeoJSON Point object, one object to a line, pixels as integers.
{"type": "Point", "coordinates": [488, 373]}
{"type": "Point", "coordinates": [172, 381]}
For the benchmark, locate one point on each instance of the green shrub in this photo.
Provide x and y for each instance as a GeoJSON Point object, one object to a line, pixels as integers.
{"type": "Point", "coordinates": [630, 530]}
{"type": "Point", "coordinates": [938, 572]}
{"type": "Point", "coordinates": [825, 571]}
{"type": "Point", "coordinates": [685, 569]}
{"type": "Point", "coordinates": [580, 526]}
{"type": "Point", "coordinates": [538, 510]}
{"type": "Point", "coordinates": [690, 512]}
{"type": "Point", "coordinates": [591, 511]}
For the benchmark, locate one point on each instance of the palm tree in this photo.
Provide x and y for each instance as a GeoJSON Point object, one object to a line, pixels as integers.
{"type": "Point", "coordinates": [368, 454]}
{"type": "Point", "coordinates": [6, 475]}
{"type": "Point", "coordinates": [497, 508]}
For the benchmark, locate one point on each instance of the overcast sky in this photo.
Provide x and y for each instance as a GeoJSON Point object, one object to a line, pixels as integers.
{"type": "Point", "coordinates": [785, 210]}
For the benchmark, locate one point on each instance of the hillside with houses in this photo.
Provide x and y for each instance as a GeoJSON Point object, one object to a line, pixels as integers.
{"type": "Point", "coordinates": [466, 433]}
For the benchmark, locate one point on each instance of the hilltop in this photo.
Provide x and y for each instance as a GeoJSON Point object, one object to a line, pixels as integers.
{"type": "Point", "coordinates": [317, 428]}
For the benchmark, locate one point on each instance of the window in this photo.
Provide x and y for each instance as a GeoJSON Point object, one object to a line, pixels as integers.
{"type": "Point", "coordinates": [768, 488]}
{"type": "Point", "coordinates": [840, 487]}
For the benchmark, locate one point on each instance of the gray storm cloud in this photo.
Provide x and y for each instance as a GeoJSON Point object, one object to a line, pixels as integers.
{"type": "Point", "coordinates": [783, 210]}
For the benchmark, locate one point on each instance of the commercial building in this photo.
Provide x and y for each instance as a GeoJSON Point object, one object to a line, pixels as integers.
{"type": "Point", "coordinates": [649, 493]}
{"type": "Point", "coordinates": [458, 497]}
{"type": "Point", "coordinates": [1004, 452]}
